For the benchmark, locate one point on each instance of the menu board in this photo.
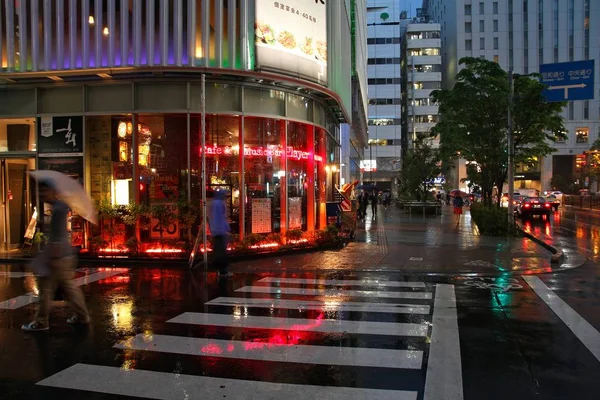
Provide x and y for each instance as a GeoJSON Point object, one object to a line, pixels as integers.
{"type": "Point", "coordinates": [261, 215]}
{"type": "Point", "coordinates": [295, 213]}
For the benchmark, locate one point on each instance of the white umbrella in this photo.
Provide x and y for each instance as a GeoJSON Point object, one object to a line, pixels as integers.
{"type": "Point", "coordinates": [69, 191]}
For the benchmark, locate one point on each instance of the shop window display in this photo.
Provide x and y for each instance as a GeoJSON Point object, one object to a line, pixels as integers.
{"type": "Point", "coordinates": [222, 162]}
{"type": "Point", "coordinates": [264, 170]}
{"type": "Point", "coordinates": [297, 175]}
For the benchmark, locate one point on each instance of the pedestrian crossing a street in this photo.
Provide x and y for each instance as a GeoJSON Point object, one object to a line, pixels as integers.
{"type": "Point", "coordinates": [321, 324]}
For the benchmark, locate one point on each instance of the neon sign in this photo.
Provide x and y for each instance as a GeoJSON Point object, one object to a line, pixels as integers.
{"type": "Point", "coordinates": [270, 152]}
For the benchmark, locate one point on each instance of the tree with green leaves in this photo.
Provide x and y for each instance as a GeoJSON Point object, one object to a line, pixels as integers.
{"type": "Point", "coordinates": [421, 166]}
{"type": "Point", "coordinates": [474, 122]}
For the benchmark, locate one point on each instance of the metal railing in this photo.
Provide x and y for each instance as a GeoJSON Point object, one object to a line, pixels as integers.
{"type": "Point", "coordinates": [582, 201]}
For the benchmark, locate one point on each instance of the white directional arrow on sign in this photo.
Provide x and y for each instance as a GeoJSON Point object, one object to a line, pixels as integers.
{"type": "Point", "coordinates": [567, 87]}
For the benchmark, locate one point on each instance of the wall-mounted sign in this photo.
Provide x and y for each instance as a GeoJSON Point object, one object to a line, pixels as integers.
{"type": "Point", "coordinates": [269, 152]}
{"type": "Point", "coordinates": [261, 215]}
{"type": "Point", "coordinates": [291, 37]}
{"type": "Point", "coordinates": [60, 135]}
{"type": "Point", "coordinates": [368, 165]}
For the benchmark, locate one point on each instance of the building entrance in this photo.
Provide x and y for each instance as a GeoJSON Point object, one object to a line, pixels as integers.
{"type": "Point", "coordinates": [18, 201]}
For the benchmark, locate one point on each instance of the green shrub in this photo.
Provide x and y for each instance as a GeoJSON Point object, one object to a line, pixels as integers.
{"type": "Point", "coordinates": [492, 221]}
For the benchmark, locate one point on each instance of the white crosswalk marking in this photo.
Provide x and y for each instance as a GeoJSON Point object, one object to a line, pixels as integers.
{"type": "Point", "coordinates": [289, 347]}
{"type": "Point", "coordinates": [333, 282]}
{"type": "Point", "coordinates": [297, 324]}
{"type": "Point", "coordinates": [391, 308]}
{"type": "Point", "coordinates": [335, 292]}
{"type": "Point", "coordinates": [305, 354]}
{"type": "Point", "coordinates": [29, 298]}
{"type": "Point", "coordinates": [164, 386]}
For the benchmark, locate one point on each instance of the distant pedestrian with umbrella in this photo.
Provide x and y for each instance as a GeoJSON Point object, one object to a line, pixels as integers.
{"type": "Point", "coordinates": [458, 207]}
{"type": "Point", "coordinates": [373, 199]}
{"type": "Point", "coordinates": [219, 229]}
{"type": "Point", "coordinates": [56, 265]}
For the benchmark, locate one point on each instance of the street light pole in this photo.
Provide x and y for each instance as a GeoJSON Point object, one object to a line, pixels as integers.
{"type": "Point", "coordinates": [511, 150]}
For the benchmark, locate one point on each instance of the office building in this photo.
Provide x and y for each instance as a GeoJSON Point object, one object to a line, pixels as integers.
{"type": "Point", "coordinates": [521, 35]}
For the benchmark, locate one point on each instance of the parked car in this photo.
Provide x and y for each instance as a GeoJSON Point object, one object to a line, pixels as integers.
{"type": "Point", "coordinates": [552, 199]}
{"type": "Point", "coordinates": [517, 199]}
{"type": "Point", "coordinates": [531, 206]}
{"type": "Point", "coordinates": [556, 193]}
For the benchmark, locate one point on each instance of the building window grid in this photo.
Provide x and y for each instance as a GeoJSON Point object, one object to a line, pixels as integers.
{"type": "Point", "coordinates": [510, 35]}
{"type": "Point", "coordinates": [481, 43]}
{"type": "Point", "coordinates": [481, 25]}
{"type": "Point", "coordinates": [571, 23]}
{"type": "Point", "coordinates": [586, 29]}
{"type": "Point", "coordinates": [495, 43]}
{"type": "Point", "coordinates": [555, 28]}
{"type": "Point", "coordinates": [541, 32]}
{"type": "Point", "coordinates": [468, 27]}
{"type": "Point", "coordinates": [495, 25]}
{"type": "Point", "coordinates": [582, 135]}
{"type": "Point", "coordinates": [481, 8]}
{"type": "Point", "coordinates": [495, 7]}
{"type": "Point", "coordinates": [586, 109]}
{"type": "Point", "coordinates": [468, 44]}
{"type": "Point", "coordinates": [467, 9]}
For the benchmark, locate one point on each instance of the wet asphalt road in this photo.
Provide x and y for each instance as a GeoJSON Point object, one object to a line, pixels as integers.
{"type": "Point", "coordinates": [172, 334]}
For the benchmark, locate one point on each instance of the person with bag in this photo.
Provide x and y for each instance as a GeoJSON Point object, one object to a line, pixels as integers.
{"type": "Point", "coordinates": [373, 199]}
{"type": "Point", "coordinates": [458, 205]}
{"type": "Point", "coordinates": [57, 266]}
{"type": "Point", "coordinates": [219, 229]}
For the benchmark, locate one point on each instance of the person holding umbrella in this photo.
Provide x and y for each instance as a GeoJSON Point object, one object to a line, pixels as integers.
{"type": "Point", "coordinates": [57, 263]}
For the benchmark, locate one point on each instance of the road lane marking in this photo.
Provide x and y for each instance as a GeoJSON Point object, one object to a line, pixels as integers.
{"type": "Point", "coordinates": [584, 331]}
{"type": "Point", "coordinates": [15, 274]}
{"type": "Point", "coordinates": [168, 386]}
{"type": "Point", "coordinates": [324, 306]}
{"type": "Point", "coordinates": [444, 369]}
{"type": "Point", "coordinates": [300, 324]}
{"type": "Point", "coordinates": [278, 352]}
{"type": "Point", "coordinates": [28, 298]}
{"type": "Point", "coordinates": [334, 292]}
{"type": "Point", "coordinates": [362, 282]}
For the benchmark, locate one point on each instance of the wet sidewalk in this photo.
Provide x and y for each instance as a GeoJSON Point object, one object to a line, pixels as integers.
{"type": "Point", "coordinates": [395, 241]}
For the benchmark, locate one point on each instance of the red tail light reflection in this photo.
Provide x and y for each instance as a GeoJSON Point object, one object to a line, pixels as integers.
{"type": "Point", "coordinates": [296, 334]}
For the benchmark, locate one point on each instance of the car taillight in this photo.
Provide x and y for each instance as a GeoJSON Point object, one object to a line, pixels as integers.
{"type": "Point", "coordinates": [527, 205]}
{"type": "Point", "coordinates": [547, 205]}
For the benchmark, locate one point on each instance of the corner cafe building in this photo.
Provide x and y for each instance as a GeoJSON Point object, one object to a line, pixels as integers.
{"type": "Point", "coordinates": [109, 92]}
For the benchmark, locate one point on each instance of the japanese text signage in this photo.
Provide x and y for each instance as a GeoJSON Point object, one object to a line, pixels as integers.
{"type": "Point", "coordinates": [291, 37]}
{"type": "Point", "coordinates": [568, 81]}
{"type": "Point", "coordinates": [60, 135]}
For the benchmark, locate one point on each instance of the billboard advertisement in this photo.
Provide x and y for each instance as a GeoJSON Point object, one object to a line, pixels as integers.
{"type": "Point", "coordinates": [291, 38]}
{"type": "Point", "coordinates": [368, 165]}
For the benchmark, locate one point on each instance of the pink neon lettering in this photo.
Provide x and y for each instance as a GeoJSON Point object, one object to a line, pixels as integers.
{"type": "Point", "coordinates": [264, 152]}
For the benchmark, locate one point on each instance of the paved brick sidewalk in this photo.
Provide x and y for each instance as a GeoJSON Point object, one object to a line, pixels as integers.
{"type": "Point", "coordinates": [395, 241]}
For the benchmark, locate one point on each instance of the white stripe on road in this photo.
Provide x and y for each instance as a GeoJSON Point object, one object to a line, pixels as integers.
{"type": "Point", "coordinates": [166, 386]}
{"type": "Point", "coordinates": [444, 369]}
{"type": "Point", "coordinates": [299, 324]}
{"type": "Point", "coordinates": [324, 306]}
{"type": "Point", "coordinates": [28, 298]}
{"type": "Point", "coordinates": [362, 282]}
{"type": "Point", "coordinates": [263, 351]}
{"type": "Point", "coordinates": [333, 292]}
{"type": "Point", "coordinates": [584, 331]}
{"type": "Point", "coordinates": [15, 274]}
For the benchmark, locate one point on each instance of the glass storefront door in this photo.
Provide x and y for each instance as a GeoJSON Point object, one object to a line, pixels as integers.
{"type": "Point", "coordinates": [17, 201]}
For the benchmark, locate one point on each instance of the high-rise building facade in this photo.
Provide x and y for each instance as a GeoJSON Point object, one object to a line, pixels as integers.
{"type": "Point", "coordinates": [521, 35]}
{"type": "Point", "coordinates": [421, 75]}
{"type": "Point", "coordinates": [109, 92]}
{"type": "Point", "coordinates": [386, 22]}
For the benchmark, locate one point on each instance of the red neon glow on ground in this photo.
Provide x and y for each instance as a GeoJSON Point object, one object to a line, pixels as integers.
{"type": "Point", "coordinates": [211, 348]}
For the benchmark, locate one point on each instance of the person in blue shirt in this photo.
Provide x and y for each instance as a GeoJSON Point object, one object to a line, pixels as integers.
{"type": "Point", "coordinates": [219, 230]}
{"type": "Point", "coordinates": [62, 262]}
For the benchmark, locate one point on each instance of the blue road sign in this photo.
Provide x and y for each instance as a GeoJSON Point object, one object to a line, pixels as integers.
{"type": "Point", "coordinates": [568, 81]}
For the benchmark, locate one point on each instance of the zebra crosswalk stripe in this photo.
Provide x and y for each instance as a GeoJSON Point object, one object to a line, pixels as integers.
{"type": "Point", "coordinates": [299, 324]}
{"type": "Point", "coordinates": [357, 282]}
{"type": "Point", "coordinates": [391, 308]}
{"type": "Point", "coordinates": [168, 386]}
{"type": "Point", "coordinates": [281, 352]}
{"type": "Point", "coordinates": [335, 292]}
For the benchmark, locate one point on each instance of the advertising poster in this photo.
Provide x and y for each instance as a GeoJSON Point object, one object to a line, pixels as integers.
{"type": "Point", "coordinates": [60, 135]}
{"type": "Point", "coordinates": [295, 213]}
{"type": "Point", "coordinates": [261, 215]}
{"type": "Point", "coordinates": [291, 37]}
